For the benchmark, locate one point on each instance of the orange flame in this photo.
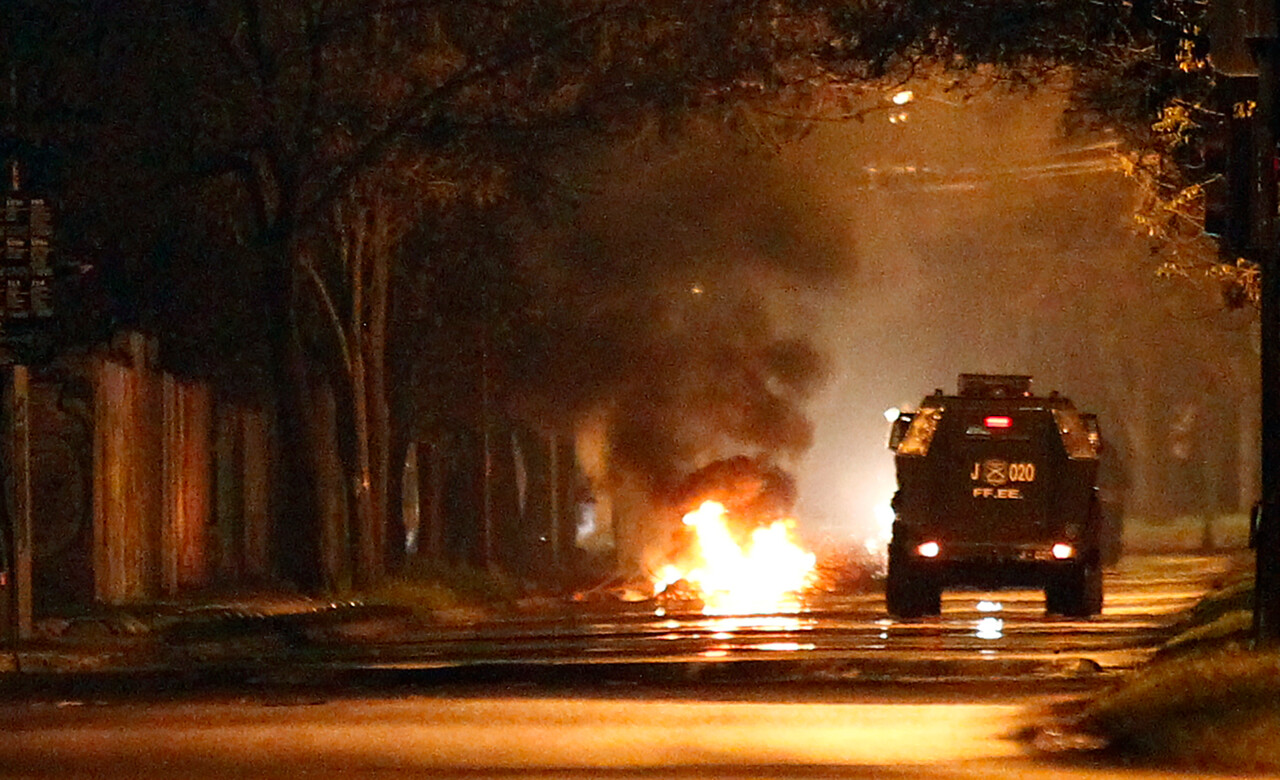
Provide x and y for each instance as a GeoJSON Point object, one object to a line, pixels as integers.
{"type": "Point", "coordinates": [766, 574]}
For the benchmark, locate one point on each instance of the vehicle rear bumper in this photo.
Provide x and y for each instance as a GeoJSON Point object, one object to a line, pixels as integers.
{"type": "Point", "coordinates": [995, 566]}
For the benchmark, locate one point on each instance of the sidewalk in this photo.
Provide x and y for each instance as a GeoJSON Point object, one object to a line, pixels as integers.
{"type": "Point", "coordinates": [187, 635]}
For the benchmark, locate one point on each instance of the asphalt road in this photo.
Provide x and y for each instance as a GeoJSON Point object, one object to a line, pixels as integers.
{"type": "Point", "coordinates": [979, 635]}
{"type": "Point", "coordinates": [839, 690]}
{"type": "Point", "coordinates": [503, 736]}
{"type": "Point", "coordinates": [764, 733]}
{"type": "Point", "coordinates": [853, 715]}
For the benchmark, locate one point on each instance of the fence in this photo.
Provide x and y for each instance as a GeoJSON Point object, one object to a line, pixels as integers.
{"type": "Point", "coordinates": [180, 482]}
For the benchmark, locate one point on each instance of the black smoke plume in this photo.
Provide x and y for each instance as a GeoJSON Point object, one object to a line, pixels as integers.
{"type": "Point", "coordinates": [678, 303]}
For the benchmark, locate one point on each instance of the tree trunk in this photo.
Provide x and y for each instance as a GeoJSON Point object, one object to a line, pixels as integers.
{"type": "Point", "coordinates": [431, 497]}
{"type": "Point", "coordinates": [367, 249]}
{"type": "Point", "coordinates": [379, 415]}
{"type": "Point", "coordinates": [297, 532]}
{"type": "Point", "coordinates": [364, 522]}
{"type": "Point", "coordinates": [332, 496]}
{"type": "Point", "coordinates": [396, 521]}
{"type": "Point", "coordinates": [347, 434]}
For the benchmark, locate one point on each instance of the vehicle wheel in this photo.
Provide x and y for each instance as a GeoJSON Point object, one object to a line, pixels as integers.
{"type": "Point", "coordinates": [1076, 592]}
{"type": "Point", "coordinates": [909, 593]}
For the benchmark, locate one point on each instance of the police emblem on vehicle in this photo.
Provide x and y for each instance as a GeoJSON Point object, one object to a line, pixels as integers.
{"type": "Point", "coordinates": [993, 471]}
{"type": "Point", "coordinates": [996, 472]}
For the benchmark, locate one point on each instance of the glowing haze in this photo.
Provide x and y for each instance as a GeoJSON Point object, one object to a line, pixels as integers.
{"type": "Point", "coordinates": [718, 301]}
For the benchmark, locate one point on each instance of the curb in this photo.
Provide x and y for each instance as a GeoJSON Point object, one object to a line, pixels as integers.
{"type": "Point", "coordinates": [372, 669]}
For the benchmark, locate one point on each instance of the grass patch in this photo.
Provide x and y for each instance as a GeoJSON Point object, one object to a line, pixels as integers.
{"type": "Point", "coordinates": [1208, 699]}
{"type": "Point", "coordinates": [1224, 616]}
{"type": "Point", "coordinates": [1219, 708]}
{"type": "Point", "coordinates": [1233, 596]}
{"type": "Point", "coordinates": [437, 591]}
{"type": "Point", "coordinates": [1230, 627]}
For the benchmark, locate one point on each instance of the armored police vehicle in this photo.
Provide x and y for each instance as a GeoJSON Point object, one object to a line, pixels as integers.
{"type": "Point", "coordinates": [996, 488]}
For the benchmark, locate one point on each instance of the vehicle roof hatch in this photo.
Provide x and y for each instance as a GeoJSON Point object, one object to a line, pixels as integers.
{"type": "Point", "coordinates": [995, 385]}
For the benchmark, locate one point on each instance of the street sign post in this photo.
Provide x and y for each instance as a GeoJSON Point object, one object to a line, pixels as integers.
{"type": "Point", "coordinates": [27, 259]}
{"type": "Point", "coordinates": [26, 318]}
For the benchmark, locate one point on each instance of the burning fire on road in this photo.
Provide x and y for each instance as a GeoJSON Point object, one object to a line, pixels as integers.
{"type": "Point", "coordinates": [737, 572]}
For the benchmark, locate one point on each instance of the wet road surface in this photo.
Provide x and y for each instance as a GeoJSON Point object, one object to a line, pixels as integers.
{"type": "Point", "coordinates": [944, 711]}
{"type": "Point", "coordinates": [640, 734]}
{"type": "Point", "coordinates": [983, 633]}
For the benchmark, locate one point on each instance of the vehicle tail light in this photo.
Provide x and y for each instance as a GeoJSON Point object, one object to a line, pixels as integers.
{"type": "Point", "coordinates": [1063, 551]}
{"type": "Point", "coordinates": [929, 550]}
{"type": "Point", "coordinates": [998, 421]}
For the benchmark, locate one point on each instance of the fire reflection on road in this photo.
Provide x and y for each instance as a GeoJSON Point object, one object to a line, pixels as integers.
{"type": "Point", "coordinates": [990, 628]}
{"type": "Point", "coordinates": [738, 633]}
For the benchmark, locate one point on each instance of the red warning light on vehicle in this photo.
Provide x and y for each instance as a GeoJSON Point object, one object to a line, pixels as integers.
{"type": "Point", "coordinates": [998, 421]}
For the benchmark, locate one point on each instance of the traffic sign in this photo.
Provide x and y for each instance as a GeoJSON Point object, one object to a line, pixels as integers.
{"type": "Point", "coordinates": [26, 267]}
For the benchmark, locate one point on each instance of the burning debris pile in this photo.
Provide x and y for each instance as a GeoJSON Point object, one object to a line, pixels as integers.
{"type": "Point", "coordinates": [735, 549]}
{"type": "Point", "coordinates": [733, 575]}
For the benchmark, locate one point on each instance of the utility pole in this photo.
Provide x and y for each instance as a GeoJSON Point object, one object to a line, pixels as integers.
{"type": "Point", "coordinates": [17, 490]}
{"type": "Point", "coordinates": [1266, 611]}
{"type": "Point", "coordinates": [20, 496]}
{"type": "Point", "coordinates": [1242, 213]}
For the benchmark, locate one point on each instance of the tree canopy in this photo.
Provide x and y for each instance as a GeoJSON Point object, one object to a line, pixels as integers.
{"type": "Point", "coordinates": [277, 188]}
{"type": "Point", "coordinates": [185, 130]}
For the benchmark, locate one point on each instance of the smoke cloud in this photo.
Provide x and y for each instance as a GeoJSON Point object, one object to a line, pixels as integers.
{"type": "Point", "coordinates": [991, 240]}
{"type": "Point", "coordinates": [674, 294]}
{"type": "Point", "coordinates": [706, 301]}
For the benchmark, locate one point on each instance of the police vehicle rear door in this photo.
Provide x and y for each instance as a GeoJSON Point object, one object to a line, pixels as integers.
{"type": "Point", "coordinates": [996, 473]}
